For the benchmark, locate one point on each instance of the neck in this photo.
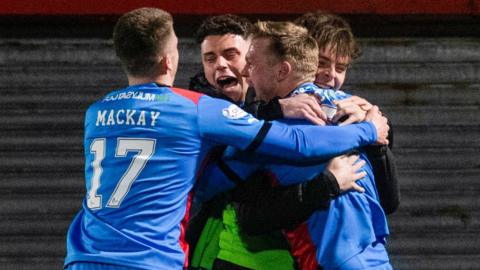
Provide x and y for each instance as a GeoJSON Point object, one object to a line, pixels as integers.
{"type": "Point", "coordinates": [287, 88]}
{"type": "Point", "coordinates": [164, 79]}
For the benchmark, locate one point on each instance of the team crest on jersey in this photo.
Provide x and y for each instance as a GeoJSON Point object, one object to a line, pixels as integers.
{"type": "Point", "coordinates": [234, 112]}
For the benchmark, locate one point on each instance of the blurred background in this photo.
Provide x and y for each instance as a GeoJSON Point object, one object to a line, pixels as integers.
{"type": "Point", "coordinates": [420, 64]}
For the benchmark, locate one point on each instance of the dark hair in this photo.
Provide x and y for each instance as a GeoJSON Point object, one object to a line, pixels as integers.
{"type": "Point", "coordinates": [224, 24]}
{"type": "Point", "coordinates": [139, 37]}
{"type": "Point", "coordinates": [329, 29]}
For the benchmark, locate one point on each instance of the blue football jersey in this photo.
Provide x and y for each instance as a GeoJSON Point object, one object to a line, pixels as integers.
{"type": "Point", "coordinates": [144, 146]}
{"type": "Point", "coordinates": [352, 229]}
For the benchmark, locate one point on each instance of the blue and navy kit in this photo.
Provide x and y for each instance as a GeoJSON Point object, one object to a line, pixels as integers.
{"type": "Point", "coordinates": [144, 146]}
{"type": "Point", "coordinates": [351, 234]}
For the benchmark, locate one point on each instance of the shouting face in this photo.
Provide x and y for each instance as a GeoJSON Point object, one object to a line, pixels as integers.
{"type": "Point", "coordinates": [223, 59]}
{"type": "Point", "coordinates": [261, 69]}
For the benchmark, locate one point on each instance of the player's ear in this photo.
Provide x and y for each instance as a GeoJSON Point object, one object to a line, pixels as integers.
{"type": "Point", "coordinates": [284, 70]}
{"type": "Point", "coordinates": [164, 63]}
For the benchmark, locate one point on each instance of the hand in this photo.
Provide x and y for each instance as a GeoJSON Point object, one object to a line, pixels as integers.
{"type": "Point", "coordinates": [350, 111]}
{"type": "Point", "coordinates": [361, 102]}
{"type": "Point", "coordinates": [380, 123]}
{"type": "Point", "coordinates": [303, 106]}
{"type": "Point", "coordinates": [345, 169]}
{"type": "Point", "coordinates": [354, 107]}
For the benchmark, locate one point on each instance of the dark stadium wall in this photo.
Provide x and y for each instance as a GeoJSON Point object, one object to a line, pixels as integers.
{"type": "Point", "coordinates": [205, 7]}
{"type": "Point", "coordinates": [369, 18]}
{"type": "Point", "coordinates": [420, 63]}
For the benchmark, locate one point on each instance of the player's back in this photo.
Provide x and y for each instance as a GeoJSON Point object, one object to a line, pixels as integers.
{"type": "Point", "coordinates": [142, 149]}
{"type": "Point", "coordinates": [333, 234]}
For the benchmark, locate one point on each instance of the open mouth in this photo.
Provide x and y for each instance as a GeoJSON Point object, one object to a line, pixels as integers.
{"type": "Point", "coordinates": [227, 81]}
{"type": "Point", "coordinates": [324, 86]}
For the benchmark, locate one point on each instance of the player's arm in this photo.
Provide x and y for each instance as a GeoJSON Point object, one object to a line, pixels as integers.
{"type": "Point", "coordinates": [385, 173]}
{"type": "Point", "coordinates": [306, 141]}
{"type": "Point", "coordinates": [225, 123]}
{"type": "Point", "coordinates": [218, 177]}
{"type": "Point", "coordinates": [262, 208]}
{"type": "Point", "coordinates": [301, 106]}
{"type": "Point", "coordinates": [353, 109]}
{"type": "Point", "coordinates": [350, 109]}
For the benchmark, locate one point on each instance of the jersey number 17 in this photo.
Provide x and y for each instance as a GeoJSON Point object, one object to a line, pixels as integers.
{"type": "Point", "coordinates": [144, 148]}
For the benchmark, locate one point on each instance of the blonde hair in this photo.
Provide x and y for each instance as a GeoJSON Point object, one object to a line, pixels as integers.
{"type": "Point", "coordinates": [139, 38]}
{"type": "Point", "coordinates": [291, 43]}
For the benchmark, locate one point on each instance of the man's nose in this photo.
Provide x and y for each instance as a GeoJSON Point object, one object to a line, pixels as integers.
{"type": "Point", "coordinates": [326, 78]}
{"type": "Point", "coordinates": [330, 73]}
{"type": "Point", "coordinates": [221, 63]}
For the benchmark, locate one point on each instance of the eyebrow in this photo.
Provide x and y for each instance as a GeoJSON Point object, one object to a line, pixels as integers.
{"type": "Point", "coordinates": [324, 58]}
{"type": "Point", "coordinates": [208, 54]}
{"type": "Point", "coordinates": [346, 63]}
{"type": "Point", "coordinates": [231, 49]}
{"type": "Point", "coordinates": [223, 51]}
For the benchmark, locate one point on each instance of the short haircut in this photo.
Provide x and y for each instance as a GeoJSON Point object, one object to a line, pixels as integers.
{"type": "Point", "coordinates": [222, 25]}
{"type": "Point", "coordinates": [139, 38]}
{"type": "Point", "coordinates": [330, 30]}
{"type": "Point", "coordinates": [291, 43]}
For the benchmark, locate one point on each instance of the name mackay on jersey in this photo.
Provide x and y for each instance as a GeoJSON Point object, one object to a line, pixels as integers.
{"type": "Point", "coordinates": [126, 117]}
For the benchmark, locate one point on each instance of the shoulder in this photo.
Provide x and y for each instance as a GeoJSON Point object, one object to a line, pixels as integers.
{"type": "Point", "coordinates": [191, 95]}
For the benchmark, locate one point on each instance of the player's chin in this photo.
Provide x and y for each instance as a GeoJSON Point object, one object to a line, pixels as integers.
{"type": "Point", "coordinates": [233, 92]}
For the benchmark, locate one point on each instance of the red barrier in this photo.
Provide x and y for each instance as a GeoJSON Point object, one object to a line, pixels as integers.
{"type": "Point", "coordinates": [206, 7]}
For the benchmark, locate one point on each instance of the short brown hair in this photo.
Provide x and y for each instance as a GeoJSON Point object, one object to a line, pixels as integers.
{"type": "Point", "coordinates": [139, 37]}
{"type": "Point", "coordinates": [292, 43]}
{"type": "Point", "coordinates": [329, 29]}
{"type": "Point", "coordinates": [222, 25]}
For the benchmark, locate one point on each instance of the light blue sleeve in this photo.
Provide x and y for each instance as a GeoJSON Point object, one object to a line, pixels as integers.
{"type": "Point", "coordinates": [315, 142]}
{"type": "Point", "coordinates": [226, 123]}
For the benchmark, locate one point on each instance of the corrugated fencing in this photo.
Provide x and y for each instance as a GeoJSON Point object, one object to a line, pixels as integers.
{"type": "Point", "coordinates": [429, 88]}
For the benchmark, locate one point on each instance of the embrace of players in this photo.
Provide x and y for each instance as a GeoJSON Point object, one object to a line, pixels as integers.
{"type": "Point", "coordinates": [266, 164]}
